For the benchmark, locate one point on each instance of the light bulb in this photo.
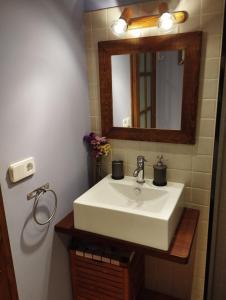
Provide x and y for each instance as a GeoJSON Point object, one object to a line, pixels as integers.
{"type": "Point", "coordinates": [166, 22]}
{"type": "Point", "coordinates": [119, 27]}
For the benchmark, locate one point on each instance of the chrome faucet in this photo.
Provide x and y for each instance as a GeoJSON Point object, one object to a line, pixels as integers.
{"type": "Point", "coordinates": [139, 172]}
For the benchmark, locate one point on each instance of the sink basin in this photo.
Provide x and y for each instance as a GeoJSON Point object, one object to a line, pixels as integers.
{"type": "Point", "coordinates": [124, 209]}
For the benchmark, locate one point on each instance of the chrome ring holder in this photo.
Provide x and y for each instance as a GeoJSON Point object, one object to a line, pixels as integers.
{"type": "Point", "coordinates": [37, 194]}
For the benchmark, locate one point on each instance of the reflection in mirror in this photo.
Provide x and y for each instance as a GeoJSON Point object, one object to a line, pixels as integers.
{"type": "Point", "coordinates": [147, 89]}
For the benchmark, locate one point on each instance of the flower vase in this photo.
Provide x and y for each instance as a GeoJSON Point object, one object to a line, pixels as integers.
{"type": "Point", "coordinates": [99, 174]}
{"type": "Point", "coordinates": [97, 170]}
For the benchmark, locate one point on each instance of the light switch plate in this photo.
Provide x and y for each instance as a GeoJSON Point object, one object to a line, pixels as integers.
{"type": "Point", "coordinates": [126, 122]}
{"type": "Point", "coordinates": [21, 169]}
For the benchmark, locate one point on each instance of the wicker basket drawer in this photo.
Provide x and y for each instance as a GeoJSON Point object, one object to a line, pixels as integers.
{"type": "Point", "coordinates": [97, 280]}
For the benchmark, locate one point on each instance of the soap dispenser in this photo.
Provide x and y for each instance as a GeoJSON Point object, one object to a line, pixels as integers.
{"type": "Point", "coordinates": [160, 172]}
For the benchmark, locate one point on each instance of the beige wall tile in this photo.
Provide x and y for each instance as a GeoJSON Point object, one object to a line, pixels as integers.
{"type": "Point", "coordinates": [99, 34]}
{"type": "Point", "coordinates": [192, 24]}
{"type": "Point", "coordinates": [149, 8]}
{"type": "Point", "coordinates": [117, 143]}
{"type": "Point", "coordinates": [187, 194]}
{"type": "Point", "coordinates": [131, 156]}
{"type": "Point", "coordinates": [87, 21]}
{"type": "Point", "coordinates": [202, 236]}
{"type": "Point", "coordinates": [210, 6]}
{"type": "Point", "coordinates": [149, 31]}
{"type": "Point", "coordinates": [211, 68]}
{"type": "Point", "coordinates": [197, 295]}
{"type": "Point", "coordinates": [200, 196]}
{"type": "Point", "coordinates": [202, 163]}
{"type": "Point", "coordinates": [197, 283]}
{"type": "Point", "coordinates": [204, 146]}
{"type": "Point", "coordinates": [132, 145]}
{"type": "Point", "coordinates": [212, 23]}
{"type": "Point", "coordinates": [93, 122]}
{"type": "Point", "coordinates": [179, 161]}
{"type": "Point", "coordinates": [192, 6]}
{"type": "Point", "coordinates": [93, 91]}
{"type": "Point", "coordinates": [179, 176]}
{"type": "Point", "coordinates": [204, 211]}
{"type": "Point", "coordinates": [146, 146]}
{"type": "Point", "coordinates": [209, 89]}
{"type": "Point", "coordinates": [149, 172]}
{"type": "Point", "coordinates": [98, 120]}
{"type": "Point", "coordinates": [201, 180]}
{"type": "Point", "coordinates": [106, 169]}
{"type": "Point", "coordinates": [211, 46]}
{"type": "Point", "coordinates": [91, 60]}
{"type": "Point", "coordinates": [94, 108]}
{"type": "Point", "coordinates": [206, 128]}
{"type": "Point", "coordinates": [164, 276]}
{"type": "Point", "coordinates": [201, 264]}
{"type": "Point", "coordinates": [119, 154]}
{"type": "Point", "coordinates": [99, 19]}
{"type": "Point", "coordinates": [197, 290]}
{"type": "Point", "coordinates": [92, 63]}
{"type": "Point", "coordinates": [208, 109]}
{"type": "Point", "coordinates": [172, 148]}
{"type": "Point", "coordinates": [88, 39]}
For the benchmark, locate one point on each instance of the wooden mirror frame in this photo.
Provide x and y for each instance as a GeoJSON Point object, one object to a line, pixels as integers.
{"type": "Point", "coordinates": [191, 43]}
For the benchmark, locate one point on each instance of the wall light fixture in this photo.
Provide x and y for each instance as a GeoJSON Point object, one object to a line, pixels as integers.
{"type": "Point", "coordinates": [165, 20]}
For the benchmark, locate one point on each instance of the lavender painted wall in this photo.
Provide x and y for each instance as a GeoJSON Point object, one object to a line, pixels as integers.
{"type": "Point", "coordinates": [43, 113]}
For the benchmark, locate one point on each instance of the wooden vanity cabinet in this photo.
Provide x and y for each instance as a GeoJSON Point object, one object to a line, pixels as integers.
{"type": "Point", "coordinates": [181, 252]}
{"type": "Point", "coordinates": [92, 279]}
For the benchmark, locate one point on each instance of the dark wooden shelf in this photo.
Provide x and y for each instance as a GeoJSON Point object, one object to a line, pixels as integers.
{"type": "Point", "coordinates": [179, 251]}
{"type": "Point", "coordinates": [148, 294]}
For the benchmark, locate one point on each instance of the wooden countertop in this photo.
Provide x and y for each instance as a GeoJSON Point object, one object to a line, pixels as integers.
{"type": "Point", "coordinates": [179, 251]}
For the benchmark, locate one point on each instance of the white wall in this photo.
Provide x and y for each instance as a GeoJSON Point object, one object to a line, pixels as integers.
{"type": "Point", "coordinates": [43, 113]}
{"type": "Point", "coordinates": [121, 88]}
{"type": "Point", "coordinates": [97, 4]}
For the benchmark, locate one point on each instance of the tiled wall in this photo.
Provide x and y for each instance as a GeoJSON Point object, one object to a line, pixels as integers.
{"type": "Point", "coordinates": [190, 164]}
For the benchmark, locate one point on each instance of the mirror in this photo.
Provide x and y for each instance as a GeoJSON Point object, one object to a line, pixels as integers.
{"type": "Point", "coordinates": [149, 87]}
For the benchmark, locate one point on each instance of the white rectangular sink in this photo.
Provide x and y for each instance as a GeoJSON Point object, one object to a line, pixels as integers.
{"type": "Point", "coordinates": [124, 209]}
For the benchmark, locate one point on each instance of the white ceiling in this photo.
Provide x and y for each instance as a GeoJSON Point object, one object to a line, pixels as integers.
{"type": "Point", "coordinates": [91, 5]}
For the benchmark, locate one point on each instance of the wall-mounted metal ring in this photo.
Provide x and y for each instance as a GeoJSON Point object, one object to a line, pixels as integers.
{"type": "Point", "coordinates": [37, 198]}
{"type": "Point", "coordinates": [37, 194]}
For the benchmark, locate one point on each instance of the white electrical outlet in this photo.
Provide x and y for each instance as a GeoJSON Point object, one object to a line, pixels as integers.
{"type": "Point", "coordinates": [21, 169]}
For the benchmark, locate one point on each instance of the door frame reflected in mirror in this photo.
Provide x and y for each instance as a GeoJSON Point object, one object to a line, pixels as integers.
{"type": "Point", "coordinates": [135, 78]}
{"type": "Point", "coordinates": [191, 43]}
